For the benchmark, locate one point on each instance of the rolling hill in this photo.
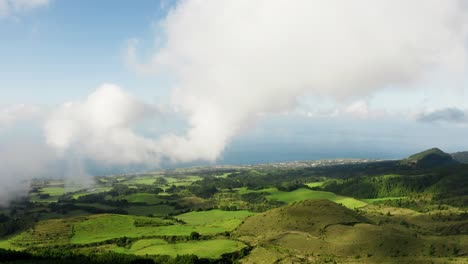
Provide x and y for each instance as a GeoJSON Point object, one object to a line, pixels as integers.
{"type": "Point", "coordinates": [321, 231]}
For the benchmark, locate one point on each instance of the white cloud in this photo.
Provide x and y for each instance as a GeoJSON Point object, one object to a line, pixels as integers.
{"type": "Point", "coordinates": [358, 109]}
{"type": "Point", "coordinates": [12, 114]}
{"type": "Point", "coordinates": [12, 7]}
{"type": "Point", "coordinates": [236, 59]}
{"type": "Point", "coordinates": [100, 128]}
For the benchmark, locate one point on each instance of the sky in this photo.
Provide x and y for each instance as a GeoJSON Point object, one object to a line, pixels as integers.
{"type": "Point", "coordinates": [93, 87]}
{"type": "Point", "coordinates": [62, 50]}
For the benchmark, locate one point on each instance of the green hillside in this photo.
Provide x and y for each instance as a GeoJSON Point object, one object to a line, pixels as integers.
{"type": "Point", "coordinates": [324, 232]}
{"type": "Point", "coordinates": [311, 216]}
{"type": "Point", "coordinates": [433, 157]}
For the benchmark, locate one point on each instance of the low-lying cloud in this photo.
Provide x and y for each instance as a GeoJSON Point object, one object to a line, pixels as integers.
{"type": "Point", "coordinates": [22, 159]}
{"type": "Point", "coordinates": [451, 115]}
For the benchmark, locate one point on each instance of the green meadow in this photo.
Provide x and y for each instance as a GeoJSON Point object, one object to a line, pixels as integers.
{"type": "Point", "coordinates": [97, 228]}
{"type": "Point", "coordinates": [306, 194]}
{"type": "Point", "coordinates": [105, 227]}
{"type": "Point", "coordinates": [77, 195]}
{"type": "Point", "coordinates": [226, 220]}
{"type": "Point", "coordinates": [315, 184]}
{"type": "Point", "coordinates": [206, 249]}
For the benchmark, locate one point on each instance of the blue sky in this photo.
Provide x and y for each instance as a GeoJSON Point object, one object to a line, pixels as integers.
{"type": "Point", "coordinates": [59, 51]}
{"type": "Point", "coordinates": [66, 49]}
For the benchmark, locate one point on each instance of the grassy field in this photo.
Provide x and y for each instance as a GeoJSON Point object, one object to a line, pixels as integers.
{"type": "Point", "coordinates": [91, 191]}
{"type": "Point", "coordinates": [96, 228]}
{"type": "Point", "coordinates": [321, 226]}
{"type": "Point", "coordinates": [152, 179]}
{"type": "Point", "coordinates": [227, 220]}
{"type": "Point", "coordinates": [224, 175]}
{"type": "Point", "coordinates": [306, 194]}
{"type": "Point", "coordinates": [53, 191]}
{"type": "Point", "coordinates": [184, 181]}
{"type": "Point", "coordinates": [143, 180]}
{"type": "Point", "coordinates": [103, 227]}
{"type": "Point", "coordinates": [206, 249]}
{"type": "Point", "coordinates": [44, 233]}
{"type": "Point", "coordinates": [315, 184]}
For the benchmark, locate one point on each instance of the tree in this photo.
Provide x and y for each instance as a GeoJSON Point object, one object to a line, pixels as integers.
{"type": "Point", "coordinates": [194, 236]}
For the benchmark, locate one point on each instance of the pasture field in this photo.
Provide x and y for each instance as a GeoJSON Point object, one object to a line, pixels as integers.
{"type": "Point", "coordinates": [103, 227]}
{"type": "Point", "coordinates": [182, 181]}
{"type": "Point", "coordinates": [212, 249]}
{"type": "Point", "coordinates": [315, 184]}
{"type": "Point", "coordinates": [45, 233]}
{"type": "Point", "coordinates": [224, 175]}
{"type": "Point", "coordinates": [153, 179]}
{"type": "Point", "coordinates": [77, 195]}
{"type": "Point", "coordinates": [306, 194]}
{"type": "Point", "coordinates": [96, 228]}
{"type": "Point", "coordinates": [227, 220]}
{"type": "Point", "coordinates": [142, 180]}
{"type": "Point", "coordinates": [53, 191]}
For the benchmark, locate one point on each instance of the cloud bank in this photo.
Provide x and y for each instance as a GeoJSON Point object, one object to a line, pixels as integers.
{"type": "Point", "coordinates": [234, 60]}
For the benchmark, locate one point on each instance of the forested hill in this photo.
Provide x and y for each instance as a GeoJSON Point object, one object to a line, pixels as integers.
{"type": "Point", "coordinates": [430, 158]}
{"type": "Point", "coordinates": [431, 172]}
